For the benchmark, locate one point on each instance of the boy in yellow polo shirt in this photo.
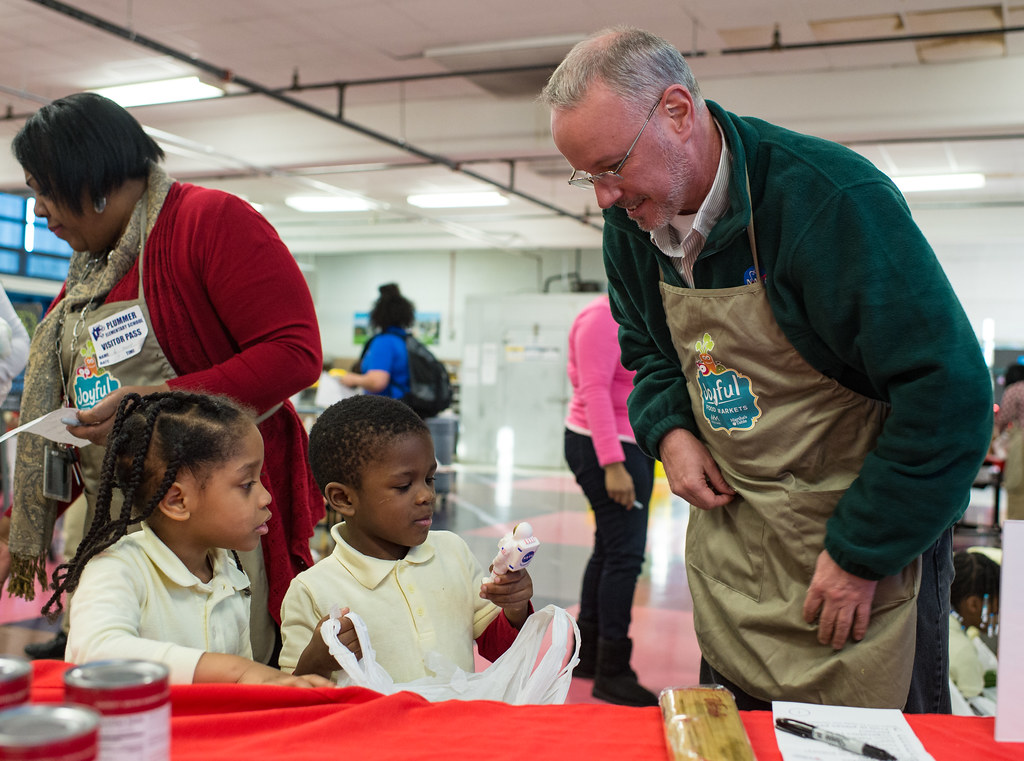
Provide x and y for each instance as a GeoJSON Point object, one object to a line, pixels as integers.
{"type": "Point", "coordinates": [417, 590]}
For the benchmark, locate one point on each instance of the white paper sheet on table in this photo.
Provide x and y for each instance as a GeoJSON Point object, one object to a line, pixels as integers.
{"type": "Point", "coordinates": [50, 426]}
{"type": "Point", "coordinates": [330, 390]}
{"type": "Point", "coordinates": [885, 728]}
{"type": "Point", "coordinates": [1010, 708]}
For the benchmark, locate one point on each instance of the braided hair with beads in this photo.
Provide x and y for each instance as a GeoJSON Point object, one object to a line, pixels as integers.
{"type": "Point", "coordinates": [153, 438]}
{"type": "Point", "coordinates": [977, 575]}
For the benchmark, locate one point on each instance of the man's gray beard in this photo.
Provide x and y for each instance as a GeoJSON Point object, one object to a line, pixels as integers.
{"type": "Point", "coordinates": [675, 201]}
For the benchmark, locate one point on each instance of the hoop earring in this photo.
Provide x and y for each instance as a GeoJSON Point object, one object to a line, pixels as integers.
{"type": "Point", "coordinates": [100, 204]}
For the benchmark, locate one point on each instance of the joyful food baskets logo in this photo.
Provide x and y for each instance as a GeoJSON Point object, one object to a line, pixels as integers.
{"type": "Point", "coordinates": [730, 404]}
{"type": "Point", "coordinates": [92, 382]}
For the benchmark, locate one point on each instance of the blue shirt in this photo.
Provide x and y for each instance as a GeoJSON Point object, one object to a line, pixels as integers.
{"type": "Point", "coordinates": [387, 352]}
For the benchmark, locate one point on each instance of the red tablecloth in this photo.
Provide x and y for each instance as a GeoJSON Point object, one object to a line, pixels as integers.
{"type": "Point", "coordinates": [272, 723]}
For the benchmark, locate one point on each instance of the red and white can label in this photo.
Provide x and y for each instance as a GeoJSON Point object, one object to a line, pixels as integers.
{"type": "Point", "coordinates": [134, 702]}
{"type": "Point", "coordinates": [49, 733]}
{"type": "Point", "coordinates": [15, 680]}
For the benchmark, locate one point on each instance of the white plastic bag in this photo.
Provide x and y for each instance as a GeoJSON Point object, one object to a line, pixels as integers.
{"type": "Point", "coordinates": [513, 678]}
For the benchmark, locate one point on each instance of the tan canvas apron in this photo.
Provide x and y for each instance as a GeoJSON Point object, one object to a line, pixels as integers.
{"type": "Point", "coordinates": [789, 440]}
{"type": "Point", "coordinates": [89, 381]}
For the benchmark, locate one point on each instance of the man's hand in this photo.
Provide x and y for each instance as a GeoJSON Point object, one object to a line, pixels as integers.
{"type": "Point", "coordinates": [692, 472]}
{"type": "Point", "coordinates": [840, 601]}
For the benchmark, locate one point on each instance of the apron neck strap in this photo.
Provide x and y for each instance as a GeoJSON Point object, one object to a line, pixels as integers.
{"type": "Point", "coordinates": [142, 243]}
{"type": "Point", "coordinates": [750, 232]}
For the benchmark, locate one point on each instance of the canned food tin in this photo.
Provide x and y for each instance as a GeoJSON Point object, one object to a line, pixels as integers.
{"type": "Point", "coordinates": [49, 733]}
{"type": "Point", "coordinates": [15, 680]}
{"type": "Point", "coordinates": [134, 700]}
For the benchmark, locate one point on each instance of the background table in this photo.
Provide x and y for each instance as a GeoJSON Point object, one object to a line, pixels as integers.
{"type": "Point", "coordinates": [245, 723]}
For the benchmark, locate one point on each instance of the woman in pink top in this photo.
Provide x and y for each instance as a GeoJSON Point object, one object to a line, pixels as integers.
{"type": "Point", "coordinates": [617, 478]}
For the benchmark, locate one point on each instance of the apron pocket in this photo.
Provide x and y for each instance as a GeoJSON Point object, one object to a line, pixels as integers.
{"type": "Point", "coordinates": [801, 529]}
{"type": "Point", "coordinates": [726, 545]}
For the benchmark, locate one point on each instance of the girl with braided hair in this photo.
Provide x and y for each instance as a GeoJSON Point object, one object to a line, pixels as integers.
{"type": "Point", "coordinates": [189, 467]}
{"type": "Point", "coordinates": [974, 605]}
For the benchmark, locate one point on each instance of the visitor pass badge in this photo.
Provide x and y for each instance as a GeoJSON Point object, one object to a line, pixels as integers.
{"type": "Point", "coordinates": [119, 336]}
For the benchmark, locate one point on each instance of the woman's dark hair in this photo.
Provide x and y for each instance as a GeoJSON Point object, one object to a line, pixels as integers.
{"type": "Point", "coordinates": [83, 142]}
{"type": "Point", "coordinates": [974, 574]}
{"type": "Point", "coordinates": [392, 309]}
{"type": "Point", "coordinates": [355, 431]}
{"type": "Point", "coordinates": [153, 438]}
{"type": "Point", "coordinates": [1014, 374]}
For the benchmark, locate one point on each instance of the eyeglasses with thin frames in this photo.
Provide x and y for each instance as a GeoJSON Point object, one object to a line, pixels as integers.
{"type": "Point", "coordinates": [587, 180]}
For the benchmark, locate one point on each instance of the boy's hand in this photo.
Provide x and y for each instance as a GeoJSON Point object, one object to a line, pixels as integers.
{"type": "Point", "coordinates": [317, 658]}
{"type": "Point", "coordinates": [512, 593]}
{"type": "Point", "coordinates": [346, 635]}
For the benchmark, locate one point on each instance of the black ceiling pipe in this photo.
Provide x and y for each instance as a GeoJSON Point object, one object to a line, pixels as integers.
{"type": "Point", "coordinates": [226, 75]}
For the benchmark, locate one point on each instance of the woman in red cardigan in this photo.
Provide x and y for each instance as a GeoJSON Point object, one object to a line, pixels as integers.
{"type": "Point", "coordinates": [171, 286]}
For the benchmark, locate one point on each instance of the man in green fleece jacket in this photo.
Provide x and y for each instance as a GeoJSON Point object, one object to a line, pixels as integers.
{"type": "Point", "coordinates": [804, 372]}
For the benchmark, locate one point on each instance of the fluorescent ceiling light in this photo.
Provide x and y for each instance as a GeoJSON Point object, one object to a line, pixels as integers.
{"type": "Point", "coordinates": [457, 200]}
{"type": "Point", "coordinates": [503, 46]}
{"type": "Point", "coordinates": [329, 203]}
{"type": "Point", "coordinates": [160, 91]}
{"type": "Point", "coordinates": [927, 182]}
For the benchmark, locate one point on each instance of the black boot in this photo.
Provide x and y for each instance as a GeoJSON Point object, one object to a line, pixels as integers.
{"type": "Point", "coordinates": [615, 681]}
{"type": "Point", "coordinates": [52, 650]}
{"type": "Point", "coordinates": [587, 666]}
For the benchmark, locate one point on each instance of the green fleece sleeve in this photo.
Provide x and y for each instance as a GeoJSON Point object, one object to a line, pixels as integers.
{"type": "Point", "coordinates": [875, 295]}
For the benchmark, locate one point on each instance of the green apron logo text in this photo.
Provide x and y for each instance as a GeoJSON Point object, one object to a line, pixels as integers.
{"type": "Point", "coordinates": [729, 402]}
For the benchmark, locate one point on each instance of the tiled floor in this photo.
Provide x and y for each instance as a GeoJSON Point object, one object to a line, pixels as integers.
{"type": "Point", "coordinates": [484, 504]}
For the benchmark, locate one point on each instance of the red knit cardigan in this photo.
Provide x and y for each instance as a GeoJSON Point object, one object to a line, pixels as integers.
{"type": "Point", "coordinates": [234, 316]}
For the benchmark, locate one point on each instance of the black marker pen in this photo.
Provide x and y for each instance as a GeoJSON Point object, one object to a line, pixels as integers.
{"type": "Point", "coordinates": [803, 729]}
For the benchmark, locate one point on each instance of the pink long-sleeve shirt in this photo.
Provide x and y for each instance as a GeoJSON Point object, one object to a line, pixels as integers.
{"type": "Point", "coordinates": [599, 381]}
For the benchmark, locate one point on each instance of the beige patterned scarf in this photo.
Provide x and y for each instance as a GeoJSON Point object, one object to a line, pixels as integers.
{"type": "Point", "coordinates": [91, 275]}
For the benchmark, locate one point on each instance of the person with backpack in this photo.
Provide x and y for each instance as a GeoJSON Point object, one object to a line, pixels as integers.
{"type": "Point", "coordinates": [395, 364]}
{"type": "Point", "coordinates": [383, 369]}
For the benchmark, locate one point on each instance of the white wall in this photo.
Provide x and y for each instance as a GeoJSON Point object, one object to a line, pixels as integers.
{"type": "Point", "coordinates": [435, 281]}
{"type": "Point", "coordinates": [440, 281]}
{"type": "Point", "coordinates": [982, 252]}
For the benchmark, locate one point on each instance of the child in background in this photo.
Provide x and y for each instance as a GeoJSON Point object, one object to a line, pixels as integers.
{"type": "Point", "coordinates": [974, 603]}
{"type": "Point", "coordinates": [417, 590]}
{"type": "Point", "coordinates": [189, 468]}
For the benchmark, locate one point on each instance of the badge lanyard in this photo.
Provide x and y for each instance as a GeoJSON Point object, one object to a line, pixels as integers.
{"type": "Point", "coordinates": [60, 462]}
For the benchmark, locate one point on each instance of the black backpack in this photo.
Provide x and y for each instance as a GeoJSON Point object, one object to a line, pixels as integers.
{"type": "Point", "coordinates": [430, 390]}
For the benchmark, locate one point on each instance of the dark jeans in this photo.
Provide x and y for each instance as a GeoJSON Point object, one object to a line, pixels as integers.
{"type": "Point", "coordinates": [929, 687]}
{"type": "Point", "coordinates": [620, 536]}
{"type": "Point", "coordinates": [929, 684]}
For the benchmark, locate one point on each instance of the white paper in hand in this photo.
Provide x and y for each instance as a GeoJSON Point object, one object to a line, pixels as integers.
{"type": "Point", "coordinates": [52, 427]}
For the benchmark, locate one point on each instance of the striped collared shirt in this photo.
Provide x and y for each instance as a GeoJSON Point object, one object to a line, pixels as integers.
{"type": "Point", "coordinates": [683, 238]}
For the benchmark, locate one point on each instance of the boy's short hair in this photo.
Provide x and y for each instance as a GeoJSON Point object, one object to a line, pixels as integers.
{"type": "Point", "coordinates": [353, 432]}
